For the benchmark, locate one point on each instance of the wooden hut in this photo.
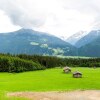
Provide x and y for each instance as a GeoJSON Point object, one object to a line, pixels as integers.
{"type": "Point", "coordinates": [66, 70]}
{"type": "Point", "coordinates": [77, 74]}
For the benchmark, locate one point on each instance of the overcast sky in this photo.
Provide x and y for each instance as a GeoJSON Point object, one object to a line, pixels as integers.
{"type": "Point", "coordinates": [58, 17]}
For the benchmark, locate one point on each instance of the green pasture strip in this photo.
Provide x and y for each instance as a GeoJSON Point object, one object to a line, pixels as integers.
{"type": "Point", "coordinates": [49, 80]}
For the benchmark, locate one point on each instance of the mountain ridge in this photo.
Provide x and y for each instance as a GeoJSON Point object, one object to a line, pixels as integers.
{"type": "Point", "coordinates": [92, 35]}
{"type": "Point", "coordinates": [76, 37]}
{"type": "Point", "coordinates": [33, 42]}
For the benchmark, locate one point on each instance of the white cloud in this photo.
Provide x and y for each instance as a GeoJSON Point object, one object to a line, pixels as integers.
{"type": "Point", "coordinates": [5, 23]}
{"type": "Point", "coordinates": [59, 17]}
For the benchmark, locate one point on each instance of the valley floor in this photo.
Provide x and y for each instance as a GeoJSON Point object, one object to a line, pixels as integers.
{"type": "Point", "coordinates": [36, 85]}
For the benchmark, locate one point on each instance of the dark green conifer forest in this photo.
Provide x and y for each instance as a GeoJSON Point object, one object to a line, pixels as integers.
{"type": "Point", "coordinates": [23, 62]}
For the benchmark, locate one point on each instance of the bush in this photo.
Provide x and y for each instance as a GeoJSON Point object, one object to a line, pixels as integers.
{"type": "Point", "coordinates": [14, 64]}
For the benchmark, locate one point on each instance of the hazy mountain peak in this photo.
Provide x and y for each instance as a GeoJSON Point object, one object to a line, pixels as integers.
{"type": "Point", "coordinates": [77, 36]}
{"type": "Point", "coordinates": [92, 35]}
{"type": "Point", "coordinates": [25, 30]}
{"type": "Point", "coordinates": [31, 31]}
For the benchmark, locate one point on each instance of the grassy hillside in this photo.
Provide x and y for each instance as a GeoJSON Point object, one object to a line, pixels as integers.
{"type": "Point", "coordinates": [50, 80]}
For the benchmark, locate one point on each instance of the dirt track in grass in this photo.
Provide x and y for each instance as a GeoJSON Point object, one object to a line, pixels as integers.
{"type": "Point", "coordinates": [72, 95]}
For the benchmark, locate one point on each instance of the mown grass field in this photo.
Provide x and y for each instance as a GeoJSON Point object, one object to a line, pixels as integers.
{"type": "Point", "coordinates": [48, 80]}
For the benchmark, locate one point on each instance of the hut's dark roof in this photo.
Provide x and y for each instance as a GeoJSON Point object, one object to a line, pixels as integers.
{"type": "Point", "coordinates": [77, 73]}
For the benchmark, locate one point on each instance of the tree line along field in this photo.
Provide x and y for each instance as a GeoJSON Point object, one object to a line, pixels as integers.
{"type": "Point", "coordinates": [44, 73]}
{"type": "Point", "coordinates": [23, 62]}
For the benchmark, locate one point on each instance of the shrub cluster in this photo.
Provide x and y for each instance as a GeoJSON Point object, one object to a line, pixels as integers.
{"type": "Point", "coordinates": [15, 64]}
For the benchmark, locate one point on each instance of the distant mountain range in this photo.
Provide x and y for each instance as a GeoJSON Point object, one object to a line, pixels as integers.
{"type": "Point", "coordinates": [28, 41]}
{"type": "Point", "coordinates": [88, 44]}
{"type": "Point", "coordinates": [92, 35]}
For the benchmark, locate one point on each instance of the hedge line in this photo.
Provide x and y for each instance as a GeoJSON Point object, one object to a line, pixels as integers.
{"type": "Point", "coordinates": [14, 64]}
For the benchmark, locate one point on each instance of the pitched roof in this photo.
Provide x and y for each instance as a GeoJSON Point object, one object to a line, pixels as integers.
{"type": "Point", "coordinates": [77, 73]}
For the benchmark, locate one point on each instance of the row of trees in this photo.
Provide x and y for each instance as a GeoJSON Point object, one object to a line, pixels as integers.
{"type": "Point", "coordinates": [15, 64]}
{"type": "Point", "coordinates": [50, 61]}
{"type": "Point", "coordinates": [23, 62]}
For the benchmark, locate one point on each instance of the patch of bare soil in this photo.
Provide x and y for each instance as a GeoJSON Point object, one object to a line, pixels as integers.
{"type": "Point", "coordinates": [73, 95]}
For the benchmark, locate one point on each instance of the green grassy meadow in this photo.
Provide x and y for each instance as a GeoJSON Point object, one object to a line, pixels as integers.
{"type": "Point", "coordinates": [49, 80]}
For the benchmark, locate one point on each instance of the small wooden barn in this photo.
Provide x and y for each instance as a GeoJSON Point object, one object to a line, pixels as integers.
{"type": "Point", "coordinates": [77, 74]}
{"type": "Point", "coordinates": [66, 69]}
